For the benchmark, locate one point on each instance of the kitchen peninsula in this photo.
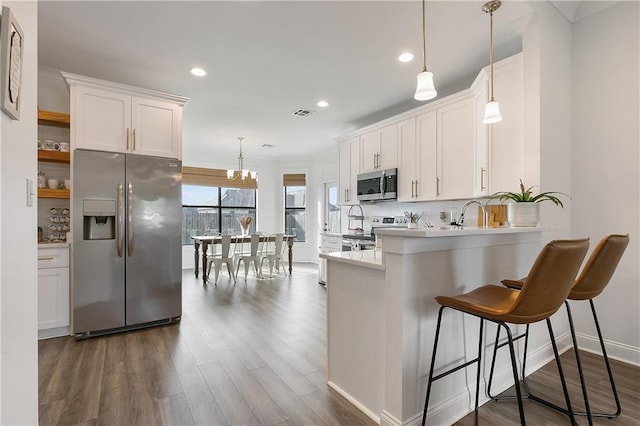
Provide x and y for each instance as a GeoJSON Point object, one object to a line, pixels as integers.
{"type": "Point", "coordinates": [381, 318]}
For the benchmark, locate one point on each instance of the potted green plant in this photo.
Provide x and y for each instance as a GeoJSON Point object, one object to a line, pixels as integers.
{"type": "Point", "coordinates": [525, 210]}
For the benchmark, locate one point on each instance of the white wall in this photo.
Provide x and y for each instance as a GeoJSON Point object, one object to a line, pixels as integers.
{"type": "Point", "coordinates": [18, 249]}
{"type": "Point", "coordinates": [604, 170]}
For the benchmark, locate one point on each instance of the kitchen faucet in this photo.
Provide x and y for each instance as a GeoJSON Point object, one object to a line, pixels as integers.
{"type": "Point", "coordinates": [485, 215]}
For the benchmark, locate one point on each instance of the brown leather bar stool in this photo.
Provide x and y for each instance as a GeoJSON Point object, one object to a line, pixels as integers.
{"type": "Point", "coordinates": [543, 291]}
{"type": "Point", "coordinates": [593, 279]}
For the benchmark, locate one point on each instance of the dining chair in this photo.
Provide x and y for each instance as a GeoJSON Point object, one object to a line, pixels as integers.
{"type": "Point", "coordinates": [226, 257]}
{"type": "Point", "coordinates": [252, 256]}
{"type": "Point", "coordinates": [273, 253]}
{"type": "Point", "coordinates": [543, 292]}
{"type": "Point", "coordinates": [593, 279]}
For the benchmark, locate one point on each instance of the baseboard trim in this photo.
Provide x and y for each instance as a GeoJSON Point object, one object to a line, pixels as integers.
{"type": "Point", "coordinates": [448, 411]}
{"type": "Point", "coordinates": [618, 351]}
{"type": "Point", "coordinates": [387, 419]}
{"type": "Point", "coordinates": [49, 333]}
{"type": "Point", "coordinates": [354, 401]}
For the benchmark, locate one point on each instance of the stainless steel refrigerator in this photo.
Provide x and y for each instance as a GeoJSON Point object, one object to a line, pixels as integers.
{"type": "Point", "coordinates": [127, 249]}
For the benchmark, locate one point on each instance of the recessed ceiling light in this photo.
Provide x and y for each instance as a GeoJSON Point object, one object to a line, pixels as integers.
{"type": "Point", "coordinates": [406, 57]}
{"type": "Point", "coordinates": [198, 72]}
{"type": "Point", "coordinates": [323, 104]}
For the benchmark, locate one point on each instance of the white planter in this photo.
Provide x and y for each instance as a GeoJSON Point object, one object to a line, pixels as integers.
{"type": "Point", "coordinates": [523, 214]}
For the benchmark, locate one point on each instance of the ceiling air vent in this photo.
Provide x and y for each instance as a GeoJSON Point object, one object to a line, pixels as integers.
{"type": "Point", "coordinates": [302, 113]}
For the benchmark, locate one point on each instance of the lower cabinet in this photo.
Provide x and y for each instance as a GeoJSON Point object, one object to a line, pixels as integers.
{"type": "Point", "coordinates": [53, 292]}
{"type": "Point", "coordinates": [328, 244]}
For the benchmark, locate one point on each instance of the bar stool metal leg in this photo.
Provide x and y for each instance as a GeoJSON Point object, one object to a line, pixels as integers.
{"type": "Point", "coordinates": [568, 411]}
{"type": "Point", "coordinates": [514, 368]}
{"type": "Point", "coordinates": [452, 370]}
{"type": "Point", "coordinates": [583, 385]}
{"type": "Point", "coordinates": [579, 364]}
{"type": "Point", "coordinates": [433, 361]}
{"type": "Point", "coordinates": [608, 365]}
{"type": "Point", "coordinates": [497, 346]}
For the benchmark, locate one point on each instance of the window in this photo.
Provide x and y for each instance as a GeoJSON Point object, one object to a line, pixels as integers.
{"type": "Point", "coordinates": [211, 210]}
{"type": "Point", "coordinates": [295, 194]}
{"type": "Point", "coordinates": [211, 205]}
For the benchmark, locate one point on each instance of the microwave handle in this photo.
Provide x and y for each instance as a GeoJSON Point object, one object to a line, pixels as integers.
{"type": "Point", "coordinates": [383, 185]}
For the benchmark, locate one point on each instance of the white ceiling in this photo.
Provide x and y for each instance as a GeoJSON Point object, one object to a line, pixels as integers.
{"type": "Point", "coordinates": [267, 59]}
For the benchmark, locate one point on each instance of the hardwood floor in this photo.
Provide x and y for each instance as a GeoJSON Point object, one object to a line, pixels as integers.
{"type": "Point", "coordinates": [253, 353]}
{"type": "Point", "coordinates": [546, 384]}
{"type": "Point", "coordinates": [245, 354]}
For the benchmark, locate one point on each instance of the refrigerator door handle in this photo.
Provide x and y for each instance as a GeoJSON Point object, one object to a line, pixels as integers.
{"type": "Point", "coordinates": [120, 219]}
{"type": "Point", "coordinates": [130, 219]}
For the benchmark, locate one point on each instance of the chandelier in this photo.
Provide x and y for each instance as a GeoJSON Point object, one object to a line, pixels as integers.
{"type": "Point", "coordinates": [241, 172]}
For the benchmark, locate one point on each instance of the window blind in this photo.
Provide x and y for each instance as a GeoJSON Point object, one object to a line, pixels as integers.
{"type": "Point", "coordinates": [215, 177]}
{"type": "Point", "coordinates": [294, 179]}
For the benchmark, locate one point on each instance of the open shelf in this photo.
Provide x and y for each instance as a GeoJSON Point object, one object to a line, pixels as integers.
{"type": "Point", "coordinates": [57, 119]}
{"type": "Point", "coordinates": [53, 193]}
{"type": "Point", "coordinates": [54, 156]}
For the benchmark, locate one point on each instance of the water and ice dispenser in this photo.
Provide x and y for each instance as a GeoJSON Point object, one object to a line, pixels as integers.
{"type": "Point", "coordinates": [99, 219]}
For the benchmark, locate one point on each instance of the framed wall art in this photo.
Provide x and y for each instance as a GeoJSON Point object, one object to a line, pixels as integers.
{"type": "Point", "coordinates": [12, 42]}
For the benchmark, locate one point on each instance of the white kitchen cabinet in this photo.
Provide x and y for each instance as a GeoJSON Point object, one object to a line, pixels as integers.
{"type": "Point", "coordinates": [348, 169]}
{"type": "Point", "coordinates": [117, 118]}
{"type": "Point", "coordinates": [456, 149]}
{"type": "Point", "coordinates": [329, 243]}
{"type": "Point", "coordinates": [436, 153]}
{"type": "Point", "coordinates": [499, 146]}
{"type": "Point", "coordinates": [379, 149]}
{"type": "Point", "coordinates": [417, 158]}
{"type": "Point", "coordinates": [53, 291]}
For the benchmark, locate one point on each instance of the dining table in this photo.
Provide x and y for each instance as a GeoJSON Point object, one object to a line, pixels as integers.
{"type": "Point", "coordinates": [204, 241]}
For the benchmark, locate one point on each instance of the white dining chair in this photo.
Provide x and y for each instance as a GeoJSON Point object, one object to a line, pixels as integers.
{"type": "Point", "coordinates": [252, 256]}
{"type": "Point", "coordinates": [274, 253]}
{"type": "Point", "coordinates": [226, 257]}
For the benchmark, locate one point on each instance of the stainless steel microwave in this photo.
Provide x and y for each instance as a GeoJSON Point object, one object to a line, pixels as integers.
{"type": "Point", "coordinates": [378, 186]}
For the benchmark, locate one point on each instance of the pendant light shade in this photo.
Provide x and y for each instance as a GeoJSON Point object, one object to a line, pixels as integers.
{"type": "Point", "coordinates": [425, 89]}
{"type": "Point", "coordinates": [492, 108]}
{"type": "Point", "coordinates": [492, 113]}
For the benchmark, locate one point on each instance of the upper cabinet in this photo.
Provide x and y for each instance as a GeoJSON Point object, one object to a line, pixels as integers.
{"type": "Point", "coordinates": [499, 146]}
{"type": "Point", "coordinates": [442, 150]}
{"type": "Point", "coordinates": [379, 149]}
{"type": "Point", "coordinates": [417, 158]}
{"type": "Point", "coordinates": [117, 118]}
{"type": "Point", "coordinates": [455, 149]}
{"type": "Point", "coordinates": [348, 169]}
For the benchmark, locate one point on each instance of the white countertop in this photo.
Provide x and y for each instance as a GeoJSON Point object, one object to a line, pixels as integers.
{"type": "Point", "coordinates": [366, 258]}
{"type": "Point", "coordinates": [44, 245]}
{"type": "Point", "coordinates": [452, 231]}
{"type": "Point", "coordinates": [330, 234]}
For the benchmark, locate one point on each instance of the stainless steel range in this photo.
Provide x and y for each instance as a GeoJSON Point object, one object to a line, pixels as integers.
{"type": "Point", "coordinates": [367, 240]}
{"type": "Point", "coordinates": [358, 241]}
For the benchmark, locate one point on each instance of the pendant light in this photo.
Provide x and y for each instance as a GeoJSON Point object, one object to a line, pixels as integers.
{"type": "Point", "coordinates": [425, 89]}
{"type": "Point", "coordinates": [491, 109]}
{"type": "Point", "coordinates": [241, 173]}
